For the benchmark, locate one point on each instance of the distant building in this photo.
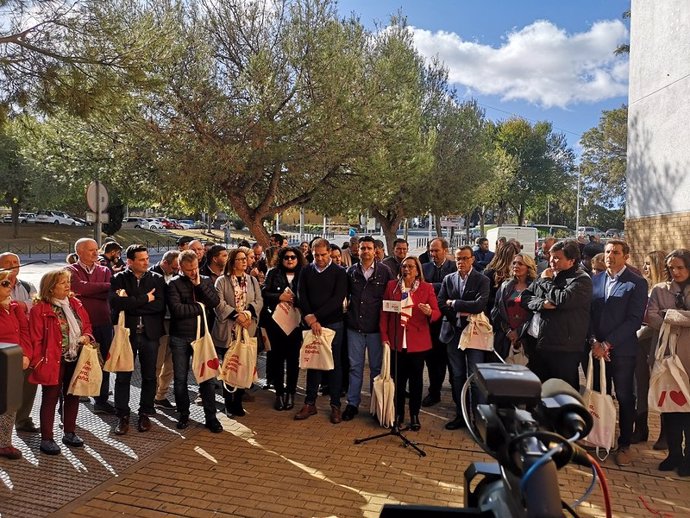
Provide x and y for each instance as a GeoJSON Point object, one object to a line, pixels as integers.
{"type": "Point", "coordinates": [658, 174]}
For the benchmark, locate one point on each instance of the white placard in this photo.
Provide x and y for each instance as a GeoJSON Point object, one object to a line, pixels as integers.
{"type": "Point", "coordinates": [392, 306]}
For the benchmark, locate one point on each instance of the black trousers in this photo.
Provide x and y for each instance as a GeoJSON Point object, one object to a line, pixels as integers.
{"type": "Point", "coordinates": [547, 364]}
{"type": "Point", "coordinates": [436, 361]}
{"type": "Point", "coordinates": [406, 366]}
{"type": "Point", "coordinates": [283, 362]}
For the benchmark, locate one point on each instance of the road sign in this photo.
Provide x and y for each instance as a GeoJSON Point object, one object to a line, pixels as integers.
{"type": "Point", "coordinates": [91, 217]}
{"type": "Point", "coordinates": [97, 196]}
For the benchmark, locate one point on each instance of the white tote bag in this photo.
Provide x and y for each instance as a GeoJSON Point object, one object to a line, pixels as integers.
{"type": "Point", "coordinates": [316, 352]}
{"type": "Point", "coordinates": [383, 393]}
{"type": "Point", "coordinates": [478, 334]}
{"type": "Point", "coordinates": [120, 356]}
{"type": "Point", "coordinates": [669, 386]}
{"type": "Point", "coordinates": [600, 405]}
{"type": "Point", "coordinates": [205, 363]}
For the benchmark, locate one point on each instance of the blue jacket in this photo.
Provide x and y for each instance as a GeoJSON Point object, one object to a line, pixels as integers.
{"type": "Point", "coordinates": [435, 275]}
{"type": "Point", "coordinates": [365, 297]}
{"type": "Point", "coordinates": [617, 319]}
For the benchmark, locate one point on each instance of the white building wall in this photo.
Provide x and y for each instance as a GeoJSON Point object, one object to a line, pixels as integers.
{"type": "Point", "coordinates": [658, 174]}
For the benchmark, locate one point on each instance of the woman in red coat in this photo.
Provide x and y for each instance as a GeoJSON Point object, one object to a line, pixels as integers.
{"type": "Point", "coordinates": [59, 327]}
{"type": "Point", "coordinates": [14, 329]}
{"type": "Point", "coordinates": [408, 331]}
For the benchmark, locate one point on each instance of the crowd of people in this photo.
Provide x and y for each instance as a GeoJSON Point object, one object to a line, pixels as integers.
{"type": "Point", "coordinates": [556, 309]}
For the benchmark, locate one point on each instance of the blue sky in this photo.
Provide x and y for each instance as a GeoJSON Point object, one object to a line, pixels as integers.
{"type": "Point", "coordinates": [537, 59]}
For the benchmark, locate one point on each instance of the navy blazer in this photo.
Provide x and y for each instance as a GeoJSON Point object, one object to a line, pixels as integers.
{"type": "Point", "coordinates": [429, 269]}
{"type": "Point", "coordinates": [617, 319]}
{"type": "Point", "coordinates": [473, 300]}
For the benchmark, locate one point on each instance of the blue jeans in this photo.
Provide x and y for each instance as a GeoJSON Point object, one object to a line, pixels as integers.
{"type": "Point", "coordinates": [357, 344]}
{"type": "Point", "coordinates": [462, 364]}
{"type": "Point", "coordinates": [147, 350]}
{"type": "Point", "coordinates": [181, 350]}
{"type": "Point", "coordinates": [334, 377]}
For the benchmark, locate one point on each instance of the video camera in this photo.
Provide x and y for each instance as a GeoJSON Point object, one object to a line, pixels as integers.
{"type": "Point", "coordinates": [530, 429]}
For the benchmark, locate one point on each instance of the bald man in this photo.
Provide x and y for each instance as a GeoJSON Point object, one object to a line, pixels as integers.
{"type": "Point", "coordinates": [91, 284]}
{"type": "Point", "coordinates": [22, 292]}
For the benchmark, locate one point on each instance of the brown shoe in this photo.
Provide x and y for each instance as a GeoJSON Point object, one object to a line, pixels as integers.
{"type": "Point", "coordinates": [305, 412]}
{"type": "Point", "coordinates": [144, 424]}
{"type": "Point", "coordinates": [623, 456]}
{"type": "Point", "coordinates": [335, 414]}
{"type": "Point", "coordinates": [122, 426]}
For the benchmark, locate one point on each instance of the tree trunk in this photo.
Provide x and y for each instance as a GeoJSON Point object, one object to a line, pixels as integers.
{"type": "Point", "coordinates": [439, 230]}
{"type": "Point", "coordinates": [389, 223]}
{"type": "Point", "coordinates": [521, 215]}
{"type": "Point", "coordinates": [252, 218]}
{"type": "Point", "coordinates": [15, 220]}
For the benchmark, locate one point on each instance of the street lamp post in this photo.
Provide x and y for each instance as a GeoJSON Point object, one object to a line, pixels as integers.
{"type": "Point", "coordinates": [577, 209]}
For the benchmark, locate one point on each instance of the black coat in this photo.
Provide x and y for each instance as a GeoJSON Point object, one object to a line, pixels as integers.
{"type": "Point", "coordinates": [564, 328]}
{"type": "Point", "coordinates": [136, 304]}
{"type": "Point", "coordinates": [182, 298]}
{"type": "Point", "coordinates": [274, 286]}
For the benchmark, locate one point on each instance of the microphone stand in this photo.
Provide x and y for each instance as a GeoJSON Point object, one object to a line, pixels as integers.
{"type": "Point", "coordinates": [395, 430]}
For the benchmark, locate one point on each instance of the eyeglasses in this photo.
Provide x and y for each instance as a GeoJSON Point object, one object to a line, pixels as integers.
{"type": "Point", "coordinates": [290, 258]}
{"type": "Point", "coordinates": [463, 258]}
{"type": "Point", "coordinates": [408, 266]}
{"type": "Point", "coordinates": [680, 300]}
{"type": "Point", "coordinates": [5, 284]}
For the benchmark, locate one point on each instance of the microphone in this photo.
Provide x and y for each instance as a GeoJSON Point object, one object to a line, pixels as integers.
{"type": "Point", "coordinates": [563, 408]}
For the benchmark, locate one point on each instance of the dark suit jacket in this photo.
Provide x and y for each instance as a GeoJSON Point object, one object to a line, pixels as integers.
{"type": "Point", "coordinates": [617, 319]}
{"type": "Point", "coordinates": [473, 300]}
{"type": "Point", "coordinates": [136, 303]}
{"type": "Point", "coordinates": [429, 269]}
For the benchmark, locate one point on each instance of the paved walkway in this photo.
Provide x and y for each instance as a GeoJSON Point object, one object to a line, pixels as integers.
{"type": "Point", "coordinates": [268, 464]}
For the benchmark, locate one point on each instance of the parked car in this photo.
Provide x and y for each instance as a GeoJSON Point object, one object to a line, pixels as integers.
{"type": "Point", "coordinates": [55, 217]}
{"type": "Point", "coordinates": [24, 217]}
{"type": "Point", "coordinates": [589, 231]}
{"type": "Point", "coordinates": [154, 224]}
{"type": "Point", "coordinates": [135, 223]}
{"type": "Point", "coordinates": [186, 223]}
{"type": "Point", "coordinates": [614, 232]}
{"type": "Point", "coordinates": [82, 222]}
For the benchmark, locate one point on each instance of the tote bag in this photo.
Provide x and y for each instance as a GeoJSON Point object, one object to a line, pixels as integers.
{"type": "Point", "coordinates": [517, 356]}
{"type": "Point", "coordinates": [205, 364]}
{"type": "Point", "coordinates": [87, 377]}
{"type": "Point", "coordinates": [239, 364]}
{"type": "Point", "coordinates": [478, 334]}
{"type": "Point", "coordinates": [120, 356]}
{"type": "Point", "coordinates": [383, 393]}
{"type": "Point", "coordinates": [316, 352]}
{"type": "Point", "coordinates": [600, 405]}
{"type": "Point", "coordinates": [669, 387]}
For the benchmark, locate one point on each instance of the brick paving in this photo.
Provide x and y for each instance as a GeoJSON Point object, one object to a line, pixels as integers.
{"type": "Point", "coordinates": [267, 464]}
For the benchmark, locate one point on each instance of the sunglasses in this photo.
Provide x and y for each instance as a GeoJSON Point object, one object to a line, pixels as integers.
{"type": "Point", "coordinates": [680, 301]}
{"type": "Point", "coordinates": [5, 284]}
{"type": "Point", "coordinates": [289, 258]}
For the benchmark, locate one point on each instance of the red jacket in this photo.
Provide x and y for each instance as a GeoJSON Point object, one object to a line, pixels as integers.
{"type": "Point", "coordinates": [14, 328]}
{"type": "Point", "coordinates": [46, 340]}
{"type": "Point", "coordinates": [418, 334]}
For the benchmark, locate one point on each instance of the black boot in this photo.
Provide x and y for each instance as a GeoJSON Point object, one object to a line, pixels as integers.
{"type": "Point", "coordinates": [279, 402]}
{"type": "Point", "coordinates": [641, 433]}
{"type": "Point", "coordinates": [289, 401]}
{"type": "Point", "coordinates": [661, 443]}
{"type": "Point", "coordinates": [237, 410]}
{"type": "Point", "coordinates": [674, 436]}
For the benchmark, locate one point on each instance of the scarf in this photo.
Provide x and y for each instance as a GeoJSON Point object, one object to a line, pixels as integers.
{"type": "Point", "coordinates": [239, 288]}
{"type": "Point", "coordinates": [74, 327]}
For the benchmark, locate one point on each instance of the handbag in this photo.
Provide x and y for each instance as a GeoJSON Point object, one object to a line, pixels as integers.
{"type": "Point", "coordinates": [669, 386]}
{"type": "Point", "coordinates": [600, 405]}
{"type": "Point", "coordinates": [205, 363]}
{"type": "Point", "coordinates": [316, 352]}
{"type": "Point", "coordinates": [517, 356]}
{"type": "Point", "coordinates": [120, 356]}
{"type": "Point", "coordinates": [87, 377]}
{"type": "Point", "coordinates": [383, 393]}
{"type": "Point", "coordinates": [478, 334]}
{"type": "Point", "coordinates": [239, 364]}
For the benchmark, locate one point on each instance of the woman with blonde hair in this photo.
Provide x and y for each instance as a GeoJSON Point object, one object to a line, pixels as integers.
{"type": "Point", "coordinates": [499, 269]}
{"type": "Point", "coordinates": [14, 329]}
{"type": "Point", "coordinates": [510, 320]}
{"type": "Point", "coordinates": [655, 272]}
{"type": "Point", "coordinates": [59, 326]}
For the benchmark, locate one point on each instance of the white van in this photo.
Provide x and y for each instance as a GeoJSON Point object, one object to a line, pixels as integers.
{"type": "Point", "coordinates": [527, 236]}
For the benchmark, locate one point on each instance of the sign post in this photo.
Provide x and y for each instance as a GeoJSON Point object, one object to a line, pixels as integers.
{"type": "Point", "coordinates": [97, 199]}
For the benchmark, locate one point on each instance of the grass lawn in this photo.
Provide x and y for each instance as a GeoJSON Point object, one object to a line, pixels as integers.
{"type": "Point", "coordinates": [59, 239]}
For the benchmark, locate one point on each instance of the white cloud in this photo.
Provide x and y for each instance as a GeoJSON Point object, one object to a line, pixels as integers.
{"type": "Point", "coordinates": [540, 63]}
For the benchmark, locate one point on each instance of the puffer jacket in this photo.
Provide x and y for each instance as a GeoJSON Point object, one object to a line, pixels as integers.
{"type": "Point", "coordinates": [182, 298]}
